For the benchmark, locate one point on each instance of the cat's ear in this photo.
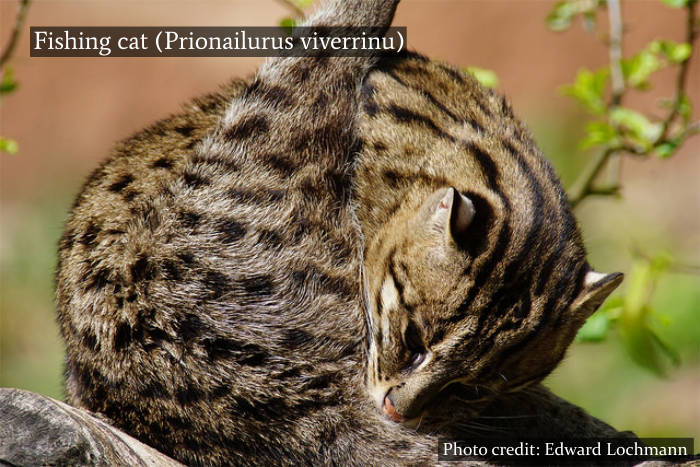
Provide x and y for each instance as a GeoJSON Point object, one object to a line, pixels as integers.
{"type": "Point", "coordinates": [453, 214]}
{"type": "Point", "coordinates": [596, 288]}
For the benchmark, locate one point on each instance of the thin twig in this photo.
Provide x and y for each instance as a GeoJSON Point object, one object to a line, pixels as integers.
{"type": "Point", "coordinates": [292, 5]}
{"type": "Point", "coordinates": [582, 187]}
{"type": "Point", "coordinates": [21, 14]}
{"type": "Point", "coordinates": [616, 76]}
{"type": "Point", "coordinates": [690, 36]}
{"type": "Point", "coordinates": [674, 266]}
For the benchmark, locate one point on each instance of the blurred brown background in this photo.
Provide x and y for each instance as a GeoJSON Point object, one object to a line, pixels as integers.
{"type": "Point", "coordinates": [68, 113]}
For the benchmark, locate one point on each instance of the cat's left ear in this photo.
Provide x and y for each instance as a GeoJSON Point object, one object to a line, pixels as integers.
{"type": "Point", "coordinates": [596, 288]}
{"type": "Point", "coordinates": [453, 214]}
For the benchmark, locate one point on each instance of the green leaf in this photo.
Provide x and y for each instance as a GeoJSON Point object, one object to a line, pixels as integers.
{"type": "Point", "coordinates": [666, 149]}
{"type": "Point", "coordinates": [636, 126]}
{"type": "Point", "coordinates": [670, 352]}
{"type": "Point", "coordinates": [8, 145]}
{"type": "Point", "coordinates": [676, 3]}
{"type": "Point", "coordinates": [8, 83]}
{"type": "Point", "coordinates": [637, 69]}
{"type": "Point", "coordinates": [589, 89]}
{"type": "Point", "coordinates": [675, 52]}
{"type": "Point", "coordinates": [288, 23]}
{"type": "Point", "coordinates": [646, 347]}
{"type": "Point", "coordinates": [595, 329]}
{"type": "Point", "coordinates": [486, 77]}
{"type": "Point", "coordinates": [641, 344]}
{"type": "Point", "coordinates": [563, 13]}
{"type": "Point", "coordinates": [639, 282]}
{"type": "Point", "coordinates": [600, 134]}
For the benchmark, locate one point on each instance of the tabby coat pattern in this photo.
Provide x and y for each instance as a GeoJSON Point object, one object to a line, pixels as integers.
{"type": "Point", "coordinates": [209, 278]}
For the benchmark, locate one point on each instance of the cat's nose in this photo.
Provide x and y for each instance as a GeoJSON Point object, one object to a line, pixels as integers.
{"type": "Point", "coordinates": [389, 410]}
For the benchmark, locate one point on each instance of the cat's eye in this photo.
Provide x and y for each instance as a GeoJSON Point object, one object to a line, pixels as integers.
{"type": "Point", "coordinates": [416, 359]}
{"type": "Point", "coordinates": [414, 344]}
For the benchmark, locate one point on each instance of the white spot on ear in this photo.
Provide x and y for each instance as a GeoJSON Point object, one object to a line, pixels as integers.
{"type": "Point", "coordinates": [592, 277]}
{"type": "Point", "coordinates": [446, 201]}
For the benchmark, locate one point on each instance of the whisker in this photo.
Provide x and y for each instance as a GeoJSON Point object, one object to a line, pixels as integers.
{"type": "Point", "coordinates": [420, 421]}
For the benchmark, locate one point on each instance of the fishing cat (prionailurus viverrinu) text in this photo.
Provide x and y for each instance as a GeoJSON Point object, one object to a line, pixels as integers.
{"type": "Point", "coordinates": [233, 279]}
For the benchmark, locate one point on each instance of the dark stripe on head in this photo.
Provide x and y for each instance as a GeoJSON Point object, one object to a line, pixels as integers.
{"type": "Point", "coordinates": [426, 94]}
{"type": "Point", "coordinates": [516, 280]}
{"type": "Point", "coordinates": [404, 115]}
{"type": "Point", "coordinates": [454, 74]}
{"type": "Point", "coordinates": [488, 169]}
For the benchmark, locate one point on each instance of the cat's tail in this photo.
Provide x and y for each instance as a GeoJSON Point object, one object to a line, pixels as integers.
{"type": "Point", "coordinates": [372, 13]}
{"type": "Point", "coordinates": [304, 107]}
{"type": "Point", "coordinates": [338, 17]}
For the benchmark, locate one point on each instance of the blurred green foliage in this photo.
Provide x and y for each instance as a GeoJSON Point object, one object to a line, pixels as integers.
{"type": "Point", "coordinates": [615, 130]}
{"type": "Point", "coordinates": [636, 319]}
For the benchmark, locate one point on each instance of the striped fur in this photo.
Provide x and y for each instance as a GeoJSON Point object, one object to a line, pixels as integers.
{"type": "Point", "coordinates": [207, 283]}
{"type": "Point", "coordinates": [491, 308]}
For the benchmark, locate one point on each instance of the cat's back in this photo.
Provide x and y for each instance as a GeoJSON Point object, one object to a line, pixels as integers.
{"type": "Point", "coordinates": [138, 174]}
{"type": "Point", "coordinates": [192, 293]}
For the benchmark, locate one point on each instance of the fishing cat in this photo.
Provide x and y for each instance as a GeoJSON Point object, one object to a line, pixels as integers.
{"type": "Point", "coordinates": [209, 286]}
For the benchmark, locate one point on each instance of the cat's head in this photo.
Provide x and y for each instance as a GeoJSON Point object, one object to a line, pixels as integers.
{"type": "Point", "coordinates": [437, 324]}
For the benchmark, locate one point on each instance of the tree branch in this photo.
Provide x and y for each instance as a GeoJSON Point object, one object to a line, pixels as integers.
{"type": "Point", "coordinates": [682, 78]}
{"type": "Point", "coordinates": [583, 186]}
{"type": "Point", "coordinates": [21, 14]}
{"type": "Point", "coordinates": [616, 76]}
